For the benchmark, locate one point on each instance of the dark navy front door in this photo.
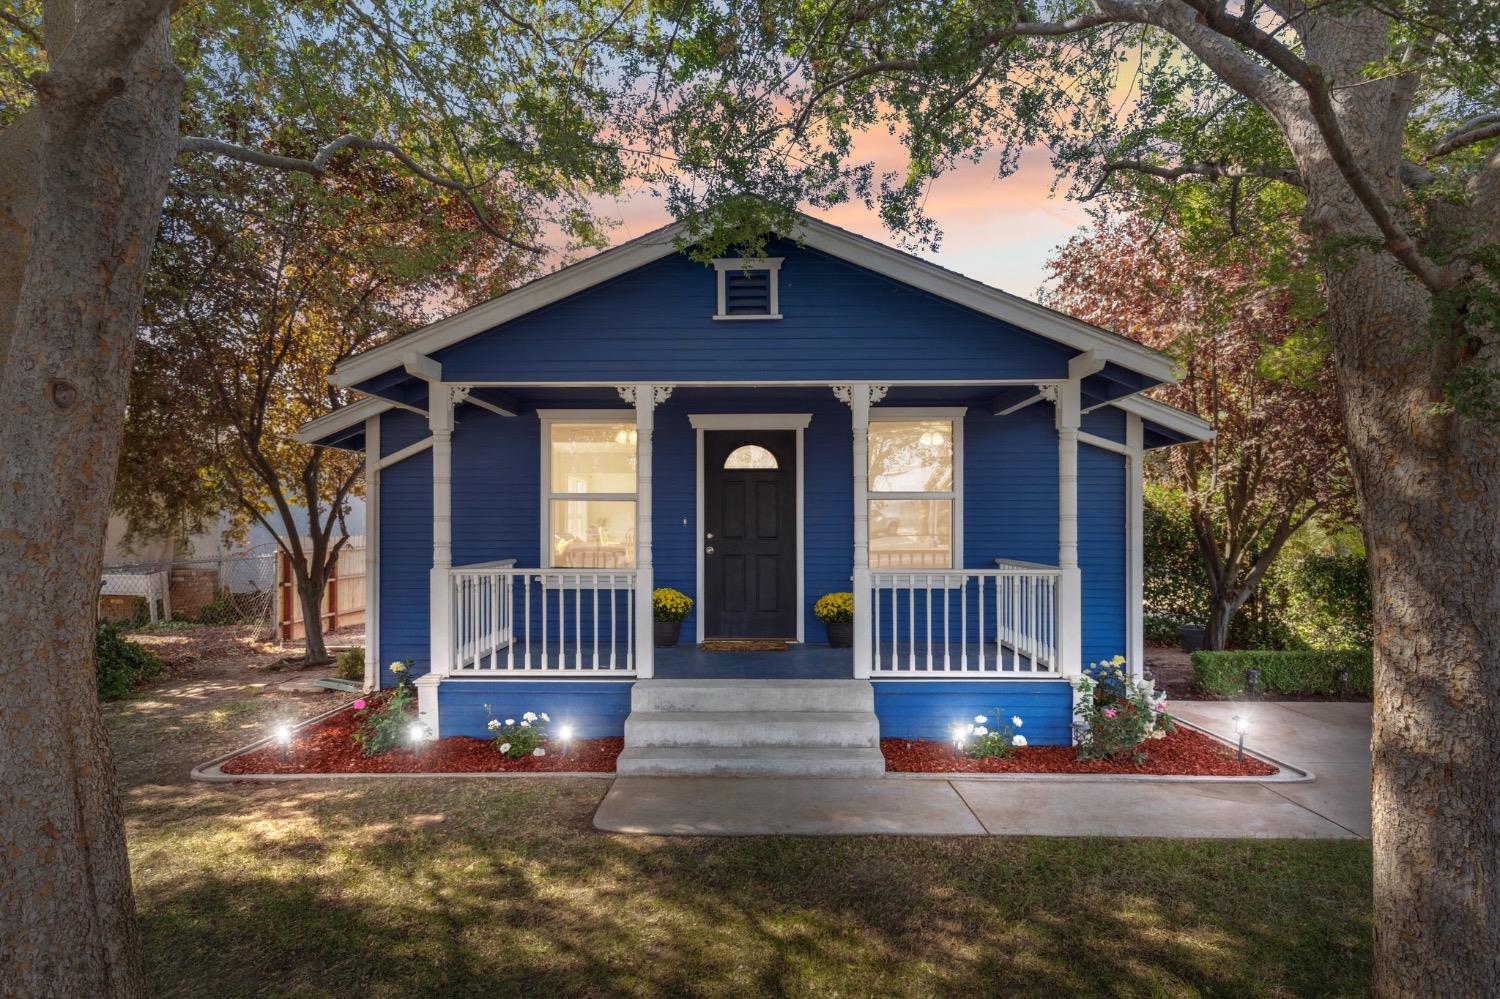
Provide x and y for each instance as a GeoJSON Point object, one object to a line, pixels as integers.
{"type": "Point", "coordinates": [750, 533]}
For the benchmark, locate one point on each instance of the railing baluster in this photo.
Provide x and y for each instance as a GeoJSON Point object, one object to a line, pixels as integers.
{"type": "Point", "coordinates": [911, 622]}
{"type": "Point", "coordinates": [981, 621]}
{"type": "Point", "coordinates": [596, 620]}
{"type": "Point", "coordinates": [929, 621]}
{"type": "Point", "coordinates": [963, 623]}
{"type": "Point", "coordinates": [947, 662]}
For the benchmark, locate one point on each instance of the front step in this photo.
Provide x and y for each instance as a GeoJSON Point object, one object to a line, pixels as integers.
{"type": "Point", "coordinates": [751, 761]}
{"type": "Point", "coordinates": [781, 728]}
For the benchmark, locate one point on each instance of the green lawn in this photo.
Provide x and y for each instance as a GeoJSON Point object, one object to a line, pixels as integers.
{"type": "Point", "coordinates": [502, 888]}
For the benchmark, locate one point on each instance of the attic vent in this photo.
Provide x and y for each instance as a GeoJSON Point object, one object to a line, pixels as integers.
{"type": "Point", "coordinates": [747, 288]}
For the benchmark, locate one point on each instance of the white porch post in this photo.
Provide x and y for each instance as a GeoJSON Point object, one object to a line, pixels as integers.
{"type": "Point", "coordinates": [440, 612]}
{"type": "Point", "coordinates": [859, 407]}
{"type": "Point", "coordinates": [1135, 549]}
{"type": "Point", "coordinates": [372, 553]}
{"type": "Point", "coordinates": [645, 398]}
{"type": "Point", "coordinates": [1070, 585]}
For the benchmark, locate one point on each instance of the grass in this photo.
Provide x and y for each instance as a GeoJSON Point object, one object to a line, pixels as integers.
{"type": "Point", "coordinates": [490, 888]}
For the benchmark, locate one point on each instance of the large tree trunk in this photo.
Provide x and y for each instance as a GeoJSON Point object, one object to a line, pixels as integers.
{"type": "Point", "coordinates": [108, 110]}
{"type": "Point", "coordinates": [310, 587]}
{"type": "Point", "coordinates": [1221, 613]}
{"type": "Point", "coordinates": [1429, 490]}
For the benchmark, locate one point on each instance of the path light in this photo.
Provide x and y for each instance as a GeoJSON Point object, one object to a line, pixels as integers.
{"type": "Point", "coordinates": [1252, 683]}
{"type": "Point", "coordinates": [1343, 679]}
{"type": "Point", "coordinates": [415, 733]}
{"type": "Point", "coordinates": [1241, 726]}
{"type": "Point", "coordinates": [565, 736]}
{"type": "Point", "coordinates": [284, 737]}
{"type": "Point", "coordinates": [960, 735]}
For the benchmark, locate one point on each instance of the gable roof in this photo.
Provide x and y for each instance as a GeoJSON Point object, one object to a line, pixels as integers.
{"type": "Point", "coordinates": [832, 240]}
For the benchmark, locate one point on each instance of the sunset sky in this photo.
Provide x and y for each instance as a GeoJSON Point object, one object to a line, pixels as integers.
{"type": "Point", "coordinates": [999, 231]}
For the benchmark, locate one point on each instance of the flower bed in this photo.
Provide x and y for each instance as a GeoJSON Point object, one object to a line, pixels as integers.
{"type": "Point", "coordinates": [328, 747]}
{"type": "Point", "coordinates": [1184, 752]}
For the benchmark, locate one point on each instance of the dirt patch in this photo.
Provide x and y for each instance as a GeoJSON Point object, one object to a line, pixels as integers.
{"type": "Point", "coordinates": [328, 747]}
{"type": "Point", "coordinates": [1183, 753]}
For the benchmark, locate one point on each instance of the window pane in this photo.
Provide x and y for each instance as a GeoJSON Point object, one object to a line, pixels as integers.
{"type": "Point", "coordinates": [911, 456]}
{"type": "Point", "coordinates": [750, 456]}
{"type": "Point", "coordinates": [593, 457]}
{"type": "Point", "coordinates": [593, 534]}
{"type": "Point", "coordinates": [911, 534]}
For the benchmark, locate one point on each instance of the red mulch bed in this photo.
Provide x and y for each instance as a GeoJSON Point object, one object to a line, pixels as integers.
{"type": "Point", "coordinates": [328, 747]}
{"type": "Point", "coordinates": [1185, 753]}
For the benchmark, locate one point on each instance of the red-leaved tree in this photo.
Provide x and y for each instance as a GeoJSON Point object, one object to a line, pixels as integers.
{"type": "Point", "coordinates": [1252, 368]}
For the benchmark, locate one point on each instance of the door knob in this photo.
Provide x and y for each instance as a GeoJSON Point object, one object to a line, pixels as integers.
{"type": "Point", "coordinates": [709, 550]}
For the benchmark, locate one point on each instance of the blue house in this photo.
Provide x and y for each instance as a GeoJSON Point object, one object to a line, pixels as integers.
{"type": "Point", "coordinates": [833, 416]}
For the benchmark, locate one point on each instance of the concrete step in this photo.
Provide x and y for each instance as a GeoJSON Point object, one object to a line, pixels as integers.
{"type": "Point", "coordinates": [752, 695]}
{"type": "Point", "coordinates": [854, 729]}
{"type": "Point", "coordinates": [750, 761]}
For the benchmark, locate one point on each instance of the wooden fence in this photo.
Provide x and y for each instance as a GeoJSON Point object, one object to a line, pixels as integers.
{"type": "Point", "coordinates": [343, 597]}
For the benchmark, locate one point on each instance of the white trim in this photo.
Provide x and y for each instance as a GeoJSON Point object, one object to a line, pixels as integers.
{"type": "Point", "coordinates": [1135, 546]}
{"type": "Point", "coordinates": [1103, 443]}
{"type": "Point", "coordinates": [1070, 582]}
{"type": "Point", "coordinates": [701, 422]}
{"type": "Point", "coordinates": [857, 250]}
{"type": "Point", "coordinates": [548, 417]}
{"type": "Point", "coordinates": [1171, 417]}
{"type": "Point", "coordinates": [749, 421]}
{"type": "Point", "coordinates": [395, 457]}
{"type": "Point", "coordinates": [343, 418]}
{"type": "Point", "coordinates": [372, 552]}
{"type": "Point", "coordinates": [439, 604]}
{"type": "Point", "coordinates": [956, 415]}
{"type": "Point", "coordinates": [645, 567]}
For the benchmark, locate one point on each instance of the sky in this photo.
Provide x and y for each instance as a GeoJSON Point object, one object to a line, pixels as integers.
{"type": "Point", "coordinates": [996, 230]}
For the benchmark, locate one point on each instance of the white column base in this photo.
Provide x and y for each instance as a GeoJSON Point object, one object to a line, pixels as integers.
{"type": "Point", "coordinates": [427, 703]}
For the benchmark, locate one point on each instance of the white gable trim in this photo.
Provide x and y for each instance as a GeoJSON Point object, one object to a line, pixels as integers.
{"type": "Point", "coordinates": [836, 242]}
{"type": "Point", "coordinates": [1174, 419]}
{"type": "Point", "coordinates": [342, 418]}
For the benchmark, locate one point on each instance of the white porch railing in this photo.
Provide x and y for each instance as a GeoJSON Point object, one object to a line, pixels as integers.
{"type": "Point", "coordinates": [542, 621]}
{"type": "Point", "coordinates": [965, 622]}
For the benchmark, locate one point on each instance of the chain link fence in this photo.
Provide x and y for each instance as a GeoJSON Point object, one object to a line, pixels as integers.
{"type": "Point", "coordinates": [236, 588]}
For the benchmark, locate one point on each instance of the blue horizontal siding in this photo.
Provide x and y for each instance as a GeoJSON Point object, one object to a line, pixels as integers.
{"type": "Point", "coordinates": [842, 323]}
{"type": "Point", "coordinates": [1101, 551]}
{"type": "Point", "coordinates": [1010, 487]}
{"type": "Point", "coordinates": [405, 551]}
{"type": "Point", "coordinates": [929, 709]}
{"type": "Point", "coordinates": [1108, 423]}
{"type": "Point", "coordinates": [596, 710]}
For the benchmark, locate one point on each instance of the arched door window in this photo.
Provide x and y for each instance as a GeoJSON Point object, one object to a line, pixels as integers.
{"type": "Point", "coordinates": [750, 456]}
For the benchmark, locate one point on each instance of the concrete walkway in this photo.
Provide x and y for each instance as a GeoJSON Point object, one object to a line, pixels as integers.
{"type": "Point", "coordinates": [1329, 740]}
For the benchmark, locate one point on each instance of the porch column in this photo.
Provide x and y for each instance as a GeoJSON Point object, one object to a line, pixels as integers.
{"type": "Point", "coordinates": [859, 407]}
{"type": "Point", "coordinates": [1135, 549]}
{"type": "Point", "coordinates": [645, 398]}
{"type": "Point", "coordinates": [372, 553]}
{"type": "Point", "coordinates": [1070, 585]}
{"type": "Point", "coordinates": [439, 594]}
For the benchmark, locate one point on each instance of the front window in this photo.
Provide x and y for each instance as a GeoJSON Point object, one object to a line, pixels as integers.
{"type": "Point", "coordinates": [591, 495]}
{"type": "Point", "coordinates": [912, 495]}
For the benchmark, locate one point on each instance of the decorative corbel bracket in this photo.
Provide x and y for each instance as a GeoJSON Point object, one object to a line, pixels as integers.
{"type": "Point", "coordinates": [845, 393]}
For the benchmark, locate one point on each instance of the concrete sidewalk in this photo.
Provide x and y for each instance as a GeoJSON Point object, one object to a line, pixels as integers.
{"type": "Point", "coordinates": [1330, 740]}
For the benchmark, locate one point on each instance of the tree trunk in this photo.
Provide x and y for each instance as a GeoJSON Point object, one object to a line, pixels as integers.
{"type": "Point", "coordinates": [310, 587]}
{"type": "Point", "coordinates": [1429, 491]}
{"type": "Point", "coordinates": [1221, 612]}
{"type": "Point", "coordinates": [108, 109]}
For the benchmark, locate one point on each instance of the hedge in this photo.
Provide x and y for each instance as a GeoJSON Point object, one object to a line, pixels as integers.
{"type": "Point", "coordinates": [1283, 672]}
{"type": "Point", "coordinates": [122, 664]}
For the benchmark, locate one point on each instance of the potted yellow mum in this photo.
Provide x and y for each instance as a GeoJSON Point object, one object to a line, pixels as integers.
{"type": "Point", "coordinates": [669, 607]}
{"type": "Point", "coordinates": [836, 611]}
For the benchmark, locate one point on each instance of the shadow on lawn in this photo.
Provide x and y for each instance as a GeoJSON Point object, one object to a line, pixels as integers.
{"type": "Point", "coordinates": [470, 888]}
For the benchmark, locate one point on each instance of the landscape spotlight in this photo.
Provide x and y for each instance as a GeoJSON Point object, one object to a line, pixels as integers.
{"type": "Point", "coordinates": [1252, 683]}
{"type": "Point", "coordinates": [1343, 683]}
{"type": "Point", "coordinates": [960, 735]}
{"type": "Point", "coordinates": [415, 733]}
{"type": "Point", "coordinates": [284, 736]}
{"type": "Point", "coordinates": [565, 736]}
{"type": "Point", "coordinates": [1241, 726]}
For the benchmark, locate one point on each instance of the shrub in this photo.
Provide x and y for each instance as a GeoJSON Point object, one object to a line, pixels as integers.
{"type": "Point", "coordinates": [1310, 672]}
{"type": "Point", "coordinates": [517, 739]}
{"type": "Point", "coordinates": [1115, 714]}
{"type": "Point", "coordinates": [668, 604]}
{"type": "Point", "coordinates": [401, 668]}
{"type": "Point", "coordinates": [121, 664]}
{"type": "Point", "coordinates": [383, 726]}
{"type": "Point", "coordinates": [834, 608]}
{"type": "Point", "coordinates": [350, 665]}
{"type": "Point", "coordinates": [998, 742]}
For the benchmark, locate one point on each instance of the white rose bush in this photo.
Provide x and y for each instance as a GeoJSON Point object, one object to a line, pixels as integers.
{"type": "Point", "coordinates": [515, 740]}
{"type": "Point", "coordinates": [990, 743]}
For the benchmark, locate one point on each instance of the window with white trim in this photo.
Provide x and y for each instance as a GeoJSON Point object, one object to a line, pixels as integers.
{"type": "Point", "coordinates": [747, 288]}
{"type": "Point", "coordinates": [915, 501]}
{"type": "Point", "coordinates": [590, 493]}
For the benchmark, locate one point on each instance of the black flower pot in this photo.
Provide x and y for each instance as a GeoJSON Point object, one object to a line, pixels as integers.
{"type": "Point", "coordinates": [1191, 637]}
{"type": "Point", "coordinates": [667, 633]}
{"type": "Point", "coordinates": [840, 634]}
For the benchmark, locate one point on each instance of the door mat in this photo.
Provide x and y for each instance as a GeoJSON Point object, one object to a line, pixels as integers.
{"type": "Point", "coordinates": [745, 645]}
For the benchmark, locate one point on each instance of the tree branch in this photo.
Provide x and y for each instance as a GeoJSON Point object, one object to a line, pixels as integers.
{"type": "Point", "coordinates": [1486, 126]}
{"type": "Point", "coordinates": [1218, 171]}
{"type": "Point", "coordinates": [317, 166]}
